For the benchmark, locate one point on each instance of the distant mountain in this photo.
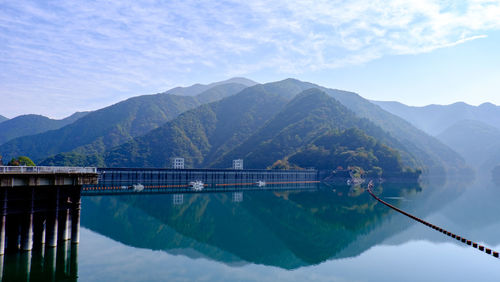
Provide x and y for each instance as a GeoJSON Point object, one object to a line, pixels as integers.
{"type": "Point", "coordinates": [32, 124]}
{"type": "Point", "coordinates": [108, 127]}
{"type": "Point", "coordinates": [434, 119]}
{"type": "Point", "coordinates": [103, 128]}
{"type": "Point", "coordinates": [474, 140]}
{"type": "Point", "coordinates": [2, 118]}
{"type": "Point", "coordinates": [196, 89]}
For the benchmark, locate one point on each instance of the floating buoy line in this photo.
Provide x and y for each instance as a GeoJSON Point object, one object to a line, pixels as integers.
{"type": "Point", "coordinates": [437, 228]}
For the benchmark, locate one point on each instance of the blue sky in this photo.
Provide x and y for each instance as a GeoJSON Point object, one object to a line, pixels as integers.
{"type": "Point", "coordinates": [58, 57]}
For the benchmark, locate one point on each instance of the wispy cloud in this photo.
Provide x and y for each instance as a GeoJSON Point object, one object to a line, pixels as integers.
{"type": "Point", "coordinates": [90, 53]}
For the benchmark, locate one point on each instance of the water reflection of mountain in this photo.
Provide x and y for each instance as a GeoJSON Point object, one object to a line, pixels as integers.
{"type": "Point", "coordinates": [285, 229]}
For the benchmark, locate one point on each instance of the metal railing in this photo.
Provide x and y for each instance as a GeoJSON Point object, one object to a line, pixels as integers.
{"type": "Point", "coordinates": [46, 169]}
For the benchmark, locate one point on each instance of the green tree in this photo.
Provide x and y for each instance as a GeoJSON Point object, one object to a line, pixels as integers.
{"type": "Point", "coordinates": [21, 161]}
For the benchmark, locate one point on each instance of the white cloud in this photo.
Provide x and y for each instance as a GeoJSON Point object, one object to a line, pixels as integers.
{"type": "Point", "coordinates": [105, 50]}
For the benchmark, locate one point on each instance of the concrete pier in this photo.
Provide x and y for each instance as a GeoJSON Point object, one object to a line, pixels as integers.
{"type": "Point", "coordinates": [64, 225]}
{"type": "Point", "coordinates": [38, 230]}
{"type": "Point", "coordinates": [75, 219]}
{"type": "Point", "coordinates": [27, 232]}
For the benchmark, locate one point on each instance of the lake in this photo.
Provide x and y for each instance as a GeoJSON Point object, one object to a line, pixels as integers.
{"type": "Point", "coordinates": [332, 233]}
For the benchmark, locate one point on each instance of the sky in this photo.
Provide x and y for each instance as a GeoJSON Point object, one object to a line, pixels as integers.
{"type": "Point", "coordinates": [58, 57]}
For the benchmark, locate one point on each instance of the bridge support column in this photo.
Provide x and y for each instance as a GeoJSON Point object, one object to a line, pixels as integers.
{"type": "Point", "coordinates": [27, 232]}
{"type": "Point", "coordinates": [64, 221]}
{"type": "Point", "coordinates": [75, 219]}
{"type": "Point", "coordinates": [2, 234]}
{"type": "Point", "coordinates": [51, 223]}
{"type": "Point", "coordinates": [12, 231]}
{"type": "Point", "coordinates": [38, 230]}
{"type": "Point", "coordinates": [3, 218]}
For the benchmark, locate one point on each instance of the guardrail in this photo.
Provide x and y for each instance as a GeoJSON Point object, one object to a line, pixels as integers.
{"type": "Point", "coordinates": [46, 169]}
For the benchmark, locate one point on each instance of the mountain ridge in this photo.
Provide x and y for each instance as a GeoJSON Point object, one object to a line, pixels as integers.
{"type": "Point", "coordinates": [31, 124]}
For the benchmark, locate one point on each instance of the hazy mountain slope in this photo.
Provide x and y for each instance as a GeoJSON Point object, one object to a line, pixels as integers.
{"type": "Point", "coordinates": [430, 152]}
{"type": "Point", "coordinates": [103, 128]}
{"type": "Point", "coordinates": [200, 134]}
{"type": "Point", "coordinates": [219, 92]}
{"type": "Point", "coordinates": [2, 118]}
{"type": "Point", "coordinates": [309, 115]}
{"type": "Point", "coordinates": [196, 89]}
{"type": "Point", "coordinates": [33, 124]}
{"type": "Point", "coordinates": [434, 119]}
{"type": "Point", "coordinates": [474, 140]}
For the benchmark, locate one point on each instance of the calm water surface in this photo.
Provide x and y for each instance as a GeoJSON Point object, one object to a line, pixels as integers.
{"type": "Point", "coordinates": [330, 234]}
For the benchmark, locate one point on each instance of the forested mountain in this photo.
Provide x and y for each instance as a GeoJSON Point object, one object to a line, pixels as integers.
{"type": "Point", "coordinates": [434, 119]}
{"type": "Point", "coordinates": [310, 117]}
{"type": "Point", "coordinates": [32, 124]}
{"type": "Point", "coordinates": [197, 89]}
{"type": "Point", "coordinates": [2, 118]}
{"type": "Point", "coordinates": [205, 137]}
{"type": "Point", "coordinates": [202, 134]}
{"type": "Point", "coordinates": [258, 124]}
{"type": "Point", "coordinates": [110, 126]}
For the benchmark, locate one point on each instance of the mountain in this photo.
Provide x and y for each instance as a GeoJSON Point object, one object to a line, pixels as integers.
{"type": "Point", "coordinates": [204, 135]}
{"type": "Point", "coordinates": [196, 89]}
{"type": "Point", "coordinates": [109, 127]}
{"type": "Point", "coordinates": [474, 140]}
{"type": "Point", "coordinates": [219, 92]}
{"type": "Point", "coordinates": [103, 128]}
{"type": "Point", "coordinates": [2, 118]}
{"type": "Point", "coordinates": [257, 124]}
{"type": "Point", "coordinates": [309, 117]}
{"type": "Point", "coordinates": [201, 134]}
{"type": "Point", "coordinates": [434, 119]}
{"type": "Point", "coordinates": [472, 131]}
{"type": "Point", "coordinates": [32, 124]}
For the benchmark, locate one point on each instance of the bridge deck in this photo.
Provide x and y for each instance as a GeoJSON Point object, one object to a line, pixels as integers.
{"type": "Point", "coordinates": [12, 176]}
